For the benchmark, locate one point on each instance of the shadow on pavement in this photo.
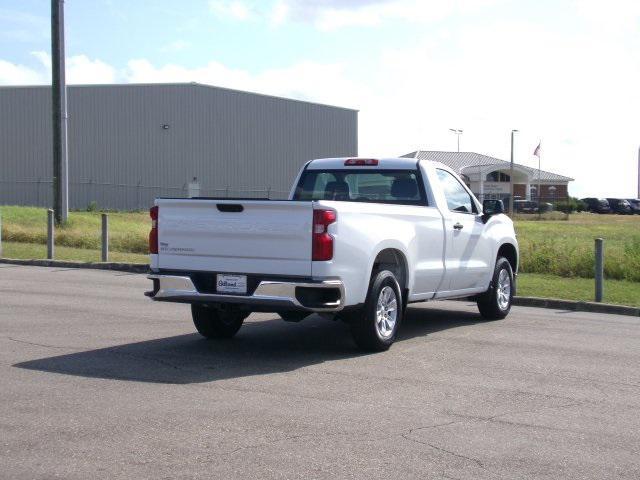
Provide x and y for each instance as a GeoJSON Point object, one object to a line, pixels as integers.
{"type": "Point", "coordinates": [261, 347]}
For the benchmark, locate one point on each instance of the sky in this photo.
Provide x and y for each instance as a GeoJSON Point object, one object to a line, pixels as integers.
{"type": "Point", "coordinates": [562, 72]}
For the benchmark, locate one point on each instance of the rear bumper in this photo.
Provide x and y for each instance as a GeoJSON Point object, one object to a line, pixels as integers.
{"type": "Point", "coordinates": [269, 295]}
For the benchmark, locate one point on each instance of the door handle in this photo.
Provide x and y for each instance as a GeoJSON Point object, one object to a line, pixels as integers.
{"type": "Point", "coordinates": [458, 226]}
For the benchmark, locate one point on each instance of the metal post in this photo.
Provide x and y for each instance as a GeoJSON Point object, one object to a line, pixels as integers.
{"type": "Point", "coordinates": [105, 237]}
{"type": "Point", "coordinates": [638, 193]}
{"type": "Point", "coordinates": [50, 234]}
{"type": "Point", "coordinates": [59, 110]}
{"type": "Point", "coordinates": [511, 199]}
{"type": "Point", "coordinates": [599, 269]}
{"type": "Point", "coordinates": [0, 235]}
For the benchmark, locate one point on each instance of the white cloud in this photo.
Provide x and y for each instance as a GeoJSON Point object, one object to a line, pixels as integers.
{"type": "Point", "coordinates": [83, 70]}
{"type": "Point", "coordinates": [175, 46]}
{"type": "Point", "coordinates": [614, 16]}
{"type": "Point", "coordinates": [44, 58]}
{"type": "Point", "coordinates": [329, 15]}
{"type": "Point", "coordinates": [305, 80]}
{"type": "Point", "coordinates": [235, 9]}
{"type": "Point", "coordinates": [279, 13]}
{"type": "Point", "coordinates": [334, 14]}
{"type": "Point", "coordinates": [14, 74]}
{"type": "Point", "coordinates": [80, 70]}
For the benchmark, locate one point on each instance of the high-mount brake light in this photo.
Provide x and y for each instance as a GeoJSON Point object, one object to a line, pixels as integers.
{"type": "Point", "coordinates": [322, 243]}
{"type": "Point", "coordinates": [367, 162]}
{"type": "Point", "coordinates": [153, 234]}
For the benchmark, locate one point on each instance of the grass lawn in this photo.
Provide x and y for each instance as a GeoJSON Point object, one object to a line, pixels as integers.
{"type": "Point", "coordinates": [565, 247]}
{"type": "Point", "coordinates": [38, 251]}
{"type": "Point", "coordinates": [128, 231]}
{"type": "Point", "coordinates": [620, 292]}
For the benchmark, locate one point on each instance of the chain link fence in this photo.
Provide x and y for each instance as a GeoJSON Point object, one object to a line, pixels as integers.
{"type": "Point", "coordinates": [117, 196]}
{"type": "Point", "coordinates": [139, 196]}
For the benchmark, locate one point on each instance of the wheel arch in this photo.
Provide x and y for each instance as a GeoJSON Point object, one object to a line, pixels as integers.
{"type": "Point", "coordinates": [510, 252]}
{"type": "Point", "coordinates": [394, 260]}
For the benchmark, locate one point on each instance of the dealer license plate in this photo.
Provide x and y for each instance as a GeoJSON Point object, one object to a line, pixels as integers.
{"type": "Point", "coordinates": [231, 283]}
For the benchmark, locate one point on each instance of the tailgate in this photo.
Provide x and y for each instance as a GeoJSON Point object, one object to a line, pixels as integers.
{"type": "Point", "coordinates": [237, 236]}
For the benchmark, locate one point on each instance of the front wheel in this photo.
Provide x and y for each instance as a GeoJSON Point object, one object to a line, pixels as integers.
{"type": "Point", "coordinates": [495, 303]}
{"type": "Point", "coordinates": [374, 328]}
{"type": "Point", "coordinates": [212, 323]}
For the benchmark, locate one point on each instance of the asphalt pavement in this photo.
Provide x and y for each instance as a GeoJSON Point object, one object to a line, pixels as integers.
{"type": "Point", "coordinates": [96, 381]}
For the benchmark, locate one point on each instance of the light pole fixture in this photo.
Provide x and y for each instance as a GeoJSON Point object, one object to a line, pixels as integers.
{"type": "Point", "coordinates": [458, 132]}
{"type": "Point", "coordinates": [513, 132]}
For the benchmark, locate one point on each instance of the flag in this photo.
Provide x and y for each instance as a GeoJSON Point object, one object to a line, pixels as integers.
{"type": "Point", "coordinates": [538, 150]}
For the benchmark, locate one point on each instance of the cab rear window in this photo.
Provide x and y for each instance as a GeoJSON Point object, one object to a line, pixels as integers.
{"type": "Point", "coordinates": [402, 187]}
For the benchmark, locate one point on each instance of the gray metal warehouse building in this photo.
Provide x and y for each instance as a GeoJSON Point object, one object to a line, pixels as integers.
{"type": "Point", "coordinates": [132, 142]}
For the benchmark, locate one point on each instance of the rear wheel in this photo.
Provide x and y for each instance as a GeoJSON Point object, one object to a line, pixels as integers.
{"type": "Point", "coordinates": [374, 328]}
{"type": "Point", "coordinates": [213, 323]}
{"type": "Point", "coordinates": [495, 303]}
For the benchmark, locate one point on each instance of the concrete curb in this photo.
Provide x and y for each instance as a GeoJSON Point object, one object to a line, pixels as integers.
{"type": "Point", "coordinates": [576, 306]}
{"type": "Point", "coordinates": [120, 267]}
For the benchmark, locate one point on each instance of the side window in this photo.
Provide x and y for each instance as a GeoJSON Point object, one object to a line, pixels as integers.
{"type": "Point", "coordinates": [458, 200]}
{"type": "Point", "coordinates": [314, 186]}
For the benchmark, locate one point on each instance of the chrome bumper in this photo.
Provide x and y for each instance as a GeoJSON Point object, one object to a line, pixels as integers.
{"type": "Point", "coordinates": [268, 294]}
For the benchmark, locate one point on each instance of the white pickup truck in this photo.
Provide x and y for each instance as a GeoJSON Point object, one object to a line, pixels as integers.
{"type": "Point", "coordinates": [357, 240]}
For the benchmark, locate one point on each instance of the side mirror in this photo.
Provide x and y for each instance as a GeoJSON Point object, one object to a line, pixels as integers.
{"type": "Point", "coordinates": [490, 208]}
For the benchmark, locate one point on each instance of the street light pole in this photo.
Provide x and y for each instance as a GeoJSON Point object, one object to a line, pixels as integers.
{"type": "Point", "coordinates": [59, 110]}
{"type": "Point", "coordinates": [458, 132]}
{"type": "Point", "coordinates": [511, 199]}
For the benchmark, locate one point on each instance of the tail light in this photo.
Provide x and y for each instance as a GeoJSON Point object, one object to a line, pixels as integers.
{"type": "Point", "coordinates": [153, 234]}
{"type": "Point", "coordinates": [322, 242]}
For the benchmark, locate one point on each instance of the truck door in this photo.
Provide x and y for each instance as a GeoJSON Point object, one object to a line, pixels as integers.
{"type": "Point", "coordinates": [468, 250]}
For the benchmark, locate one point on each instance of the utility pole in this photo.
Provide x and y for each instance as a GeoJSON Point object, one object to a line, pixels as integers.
{"type": "Point", "coordinates": [59, 111]}
{"type": "Point", "coordinates": [638, 192]}
{"type": "Point", "coordinates": [511, 199]}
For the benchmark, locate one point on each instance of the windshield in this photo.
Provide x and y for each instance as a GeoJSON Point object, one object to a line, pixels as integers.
{"type": "Point", "coordinates": [362, 185]}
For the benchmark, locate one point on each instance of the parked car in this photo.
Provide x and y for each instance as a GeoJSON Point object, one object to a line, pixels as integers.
{"type": "Point", "coordinates": [545, 207]}
{"type": "Point", "coordinates": [525, 206]}
{"type": "Point", "coordinates": [634, 203]}
{"type": "Point", "coordinates": [597, 205]}
{"type": "Point", "coordinates": [357, 240]}
{"type": "Point", "coordinates": [620, 205]}
{"type": "Point", "coordinates": [530, 206]}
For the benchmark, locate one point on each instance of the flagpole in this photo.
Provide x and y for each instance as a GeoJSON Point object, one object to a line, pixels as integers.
{"type": "Point", "coordinates": [539, 190]}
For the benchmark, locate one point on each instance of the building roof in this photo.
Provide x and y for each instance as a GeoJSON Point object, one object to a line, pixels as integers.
{"type": "Point", "coordinates": [458, 161]}
{"type": "Point", "coordinates": [178, 84]}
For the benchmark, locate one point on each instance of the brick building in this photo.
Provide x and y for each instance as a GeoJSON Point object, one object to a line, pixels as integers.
{"type": "Point", "coordinates": [488, 177]}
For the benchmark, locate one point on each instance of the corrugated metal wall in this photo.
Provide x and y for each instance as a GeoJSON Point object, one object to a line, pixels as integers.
{"type": "Point", "coordinates": [120, 156]}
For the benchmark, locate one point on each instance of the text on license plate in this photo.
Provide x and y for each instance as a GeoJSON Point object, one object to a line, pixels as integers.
{"type": "Point", "coordinates": [231, 283]}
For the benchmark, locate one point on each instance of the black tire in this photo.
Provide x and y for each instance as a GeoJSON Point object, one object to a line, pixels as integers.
{"type": "Point", "coordinates": [495, 303]}
{"type": "Point", "coordinates": [367, 332]}
{"type": "Point", "coordinates": [213, 323]}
